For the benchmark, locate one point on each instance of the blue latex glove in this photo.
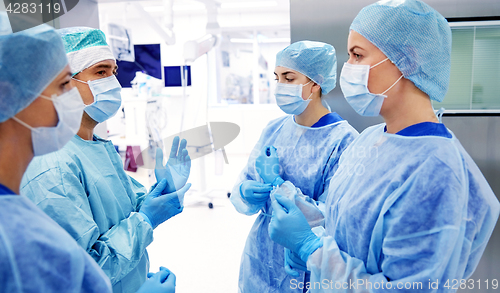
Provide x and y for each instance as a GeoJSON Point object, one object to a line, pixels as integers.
{"type": "Point", "coordinates": [268, 166]}
{"type": "Point", "coordinates": [293, 263]}
{"type": "Point", "coordinates": [254, 192]}
{"type": "Point", "coordinates": [158, 207]}
{"type": "Point", "coordinates": [178, 166]}
{"type": "Point", "coordinates": [289, 228]}
{"type": "Point", "coordinates": [161, 282]}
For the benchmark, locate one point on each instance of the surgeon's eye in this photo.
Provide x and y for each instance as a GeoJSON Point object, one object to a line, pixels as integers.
{"type": "Point", "coordinates": [354, 55]}
{"type": "Point", "coordinates": [289, 80]}
{"type": "Point", "coordinates": [64, 85]}
{"type": "Point", "coordinates": [102, 72]}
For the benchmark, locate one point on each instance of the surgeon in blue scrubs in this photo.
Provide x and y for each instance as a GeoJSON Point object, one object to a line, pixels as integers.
{"type": "Point", "coordinates": [309, 141]}
{"type": "Point", "coordinates": [84, 188]}
{"type": "Point", "coordinates": [40, 112]}
{"type": "Point", "coordinates": [408, 209]}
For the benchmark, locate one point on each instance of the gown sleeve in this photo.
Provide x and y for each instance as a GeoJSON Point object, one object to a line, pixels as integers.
{"type": "Point", "coordinates": [248, 173]}
{"type": "Point", "coordinates": [60, 195]}
{"type": "Point", "coordinates": [140, 191]}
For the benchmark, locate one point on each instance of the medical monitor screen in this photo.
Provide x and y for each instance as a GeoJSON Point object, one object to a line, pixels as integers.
{"type": "Point", "coordinates": [173, 75]}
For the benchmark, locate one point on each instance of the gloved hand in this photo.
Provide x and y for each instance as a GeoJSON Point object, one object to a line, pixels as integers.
{"type": "Point", "coordinates": [254, 192]}
{"type": "Point", "coordinates": [158, 207]}
{"type": "Point", "coordinates": [161, 282]}
{"type": "Point", "coordinates": [293, 263]}
{"type": "Point", "coordinates": [178, 166]}
{"type": "Point", "coordinates": [268, 166]}
{"type": "Point", "coordinates": [289, 228]}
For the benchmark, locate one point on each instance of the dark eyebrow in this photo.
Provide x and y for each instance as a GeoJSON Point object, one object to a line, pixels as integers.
{"type": "Point", "coordinates": [355, 47]}
{"type": "Point", "coordinates": [105, 66]}
{"type": "Point", "coordinates": [287, 72]}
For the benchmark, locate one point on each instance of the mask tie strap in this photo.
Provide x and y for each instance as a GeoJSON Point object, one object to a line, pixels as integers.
{"type": "Point", "coordinates": [79, 80]}
{"type": "Point", "coordinates": [308, 98]}
{"type": "Point", "coordinates": [23, 123]}
{"type": "Point", "coordinates": [439, 114]}
{"type": "Point", "coordinates": [47, 98]}
{"type": "Point", "coordinates": [392, 85]}
{"type": "Point", "coordinates": [380, 62]}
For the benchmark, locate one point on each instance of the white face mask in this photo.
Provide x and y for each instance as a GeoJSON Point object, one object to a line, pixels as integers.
{"type": "Point", "coordinates": [69, 107]}
{"type": "Point", "coordinates": [354, 85]}
{"type": "Point", "coordinates": [289, 98]}
{"type": "Point", "coordinates": [107, 98]}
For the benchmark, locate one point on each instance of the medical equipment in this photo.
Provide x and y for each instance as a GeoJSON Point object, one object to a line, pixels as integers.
{"type": "Point", "coordinates": [120, 41]}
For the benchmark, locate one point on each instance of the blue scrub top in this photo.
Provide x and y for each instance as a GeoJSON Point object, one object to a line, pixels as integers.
{"type": "Point", "coordinates": [328, 119]}
{"type": "Point", "coordinates": [5, 191]}
{"type": "Point", "coordinates": [37, 255]}
{"type": "Point", "coordinates": [84, 188]}
{"type": "Point", "coordinates": [308, 159]}
{"type": "Point", "coordinates": [425, 128]}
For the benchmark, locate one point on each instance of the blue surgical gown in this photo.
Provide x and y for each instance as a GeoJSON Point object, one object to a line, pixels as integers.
{"type": "Point", "coordinates": [308, 159]}
{"type": "Point", "coordinates": [37, 255]}
{"type": "Point", "coordinates": [84, 188]}
{"type": "Point", "coordinates": [403, 212]}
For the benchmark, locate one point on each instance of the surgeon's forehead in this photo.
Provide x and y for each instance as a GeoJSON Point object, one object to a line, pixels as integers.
{"type": "Point", "coordinates": [357, 41]}
{"type": "Point", "coordinates": [280, 70]}
{"type": "Point", "coordinates": [110, 63]}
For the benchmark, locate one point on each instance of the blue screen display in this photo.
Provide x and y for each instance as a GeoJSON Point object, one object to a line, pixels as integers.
{"type": "Point", "coordinates": [173, 75]}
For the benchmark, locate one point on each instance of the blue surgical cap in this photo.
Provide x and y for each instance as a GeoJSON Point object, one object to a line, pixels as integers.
{"type": "Point", "coordinates": [29, 61]}
{"type": "Point", "coordinates": [85, 47]}
{"type": "Point", "coordinates": [315, 60]}
{"type": "Point", "coordinates": [415, 37]}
